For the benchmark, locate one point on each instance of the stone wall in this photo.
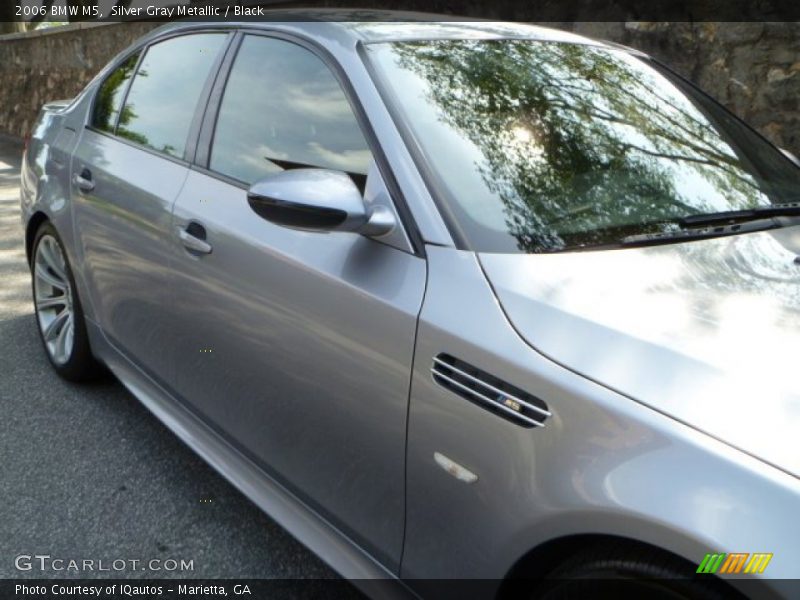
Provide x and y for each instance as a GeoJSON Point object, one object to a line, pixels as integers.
{"type": "Point", "coordinates": [46, 65]}
{"type": "Point", "coordinates": [753, 68]}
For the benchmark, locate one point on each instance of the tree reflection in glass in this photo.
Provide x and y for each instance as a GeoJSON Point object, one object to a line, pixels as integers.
{"type": "Point", "coordinates": [164, 93]}
{"type": "Point", "coordinates": [539, 146]}
{"type": "Point", "coordinates": [109, 98]}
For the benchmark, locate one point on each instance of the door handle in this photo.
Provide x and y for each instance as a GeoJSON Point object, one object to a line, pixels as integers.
{"type": "Point", "coordinates": [193, 238]}
{"type": "Point", "coordinates": [84, 180]}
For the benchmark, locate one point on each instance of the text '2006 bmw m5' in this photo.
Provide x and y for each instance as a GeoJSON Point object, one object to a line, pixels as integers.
{"type": "Point", "coordinates": [447, 300]}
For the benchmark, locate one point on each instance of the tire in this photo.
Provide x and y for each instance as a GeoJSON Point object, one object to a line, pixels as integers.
{"type": "Point", "coordinates": [624, 571]}
{"type": "Point", "coordinates": [59, 315]}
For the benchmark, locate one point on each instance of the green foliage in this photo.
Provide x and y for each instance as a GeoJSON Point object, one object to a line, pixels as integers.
{"type": "Point", "coordinates": [580, 144]}
{"type": "Point", "coordinates": [109, 98]}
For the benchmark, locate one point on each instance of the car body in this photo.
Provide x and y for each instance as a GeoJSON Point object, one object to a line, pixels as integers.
{"type": "Point", "coordinates": [405, 403]}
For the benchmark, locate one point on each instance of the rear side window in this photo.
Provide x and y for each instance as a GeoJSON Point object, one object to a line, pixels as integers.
{"type": "Point", "coordinates": [109, 98]}
{"type": "Point", "coordinates": [283, 109]}
{"type": "Point", "coordinates": [160, 106]}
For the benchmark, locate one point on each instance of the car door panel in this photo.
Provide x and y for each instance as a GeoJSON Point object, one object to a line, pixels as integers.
{"type": "Point", "coordinates": [125, 225]}
{"type": "Point", "coordinates": [299, 345]}
{"type": "Point", "coordinates": [126, 173]}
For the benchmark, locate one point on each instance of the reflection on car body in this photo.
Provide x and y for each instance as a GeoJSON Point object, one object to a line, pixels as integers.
{"type": "Point", "coordinates": [423, 292]}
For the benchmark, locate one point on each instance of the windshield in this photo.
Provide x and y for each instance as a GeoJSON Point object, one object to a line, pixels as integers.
{"type": "Point", "coordinates": [536, 146]}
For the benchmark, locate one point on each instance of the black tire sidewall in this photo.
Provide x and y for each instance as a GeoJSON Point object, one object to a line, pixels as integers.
{"type": "Point", "coordinates": [616, 571]}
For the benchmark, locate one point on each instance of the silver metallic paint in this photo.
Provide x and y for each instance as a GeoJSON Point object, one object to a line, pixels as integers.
{"type": "Point", "coordinates": [326, 355]}
{"type": "Point", "coordinates": [312, 337]}
{"type": "Point", "coordinates": [705, 331]}
{"type": "Point", "coordinates": [126, 241]}
{"type": "Point", "coordinates": [602, 464]}
{"type": "Point", "coordinates": [326, 190]}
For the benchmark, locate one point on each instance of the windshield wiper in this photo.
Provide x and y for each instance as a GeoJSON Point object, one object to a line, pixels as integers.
{"type": "Point", "coordinates": [701, 233]}
{"type": "Point", "coordinates": [787, 209]}
{"type": "Point", "coordinates": [720, 224]}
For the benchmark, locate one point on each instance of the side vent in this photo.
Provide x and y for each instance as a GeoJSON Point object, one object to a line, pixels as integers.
{"type": "Point", "coordinates": [499, 397]}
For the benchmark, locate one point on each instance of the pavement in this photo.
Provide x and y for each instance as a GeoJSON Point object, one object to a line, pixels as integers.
{"type": "Point", "coordinates": [86, 472]}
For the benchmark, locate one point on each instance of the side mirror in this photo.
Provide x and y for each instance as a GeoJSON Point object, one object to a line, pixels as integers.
{"type": "Point", "coordinates": [317, 200]}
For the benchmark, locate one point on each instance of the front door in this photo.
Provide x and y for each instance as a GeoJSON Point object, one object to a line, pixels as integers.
{"type": "Point", "coordinates": [297, 345]}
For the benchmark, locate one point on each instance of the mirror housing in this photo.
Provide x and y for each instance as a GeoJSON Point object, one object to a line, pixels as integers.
{"type": "Point", "coordinates": [317, 200]}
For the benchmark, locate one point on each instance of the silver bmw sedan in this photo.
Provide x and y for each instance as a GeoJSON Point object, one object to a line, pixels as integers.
{"type": "Point", "coordinates": [447, 300]}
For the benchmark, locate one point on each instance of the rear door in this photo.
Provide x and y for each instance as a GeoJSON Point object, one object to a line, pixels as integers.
{"type": "Point", "coordinates": [127, 170]}
{"type": "Point", "coordinates": [298, 345]}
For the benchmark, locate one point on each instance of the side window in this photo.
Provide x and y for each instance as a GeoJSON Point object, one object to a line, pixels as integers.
{"type": "Point", "coordinates": [283, 109]}
{"type": "Point", "coordinates": [109, 98]}
{"type": "Point", "coordinates": [161, 102]}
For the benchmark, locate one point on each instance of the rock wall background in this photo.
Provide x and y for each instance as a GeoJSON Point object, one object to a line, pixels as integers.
{"type": "Point", "coordinates": [753, 67]}
{"type": "Point", "coordinates": [50, 64]}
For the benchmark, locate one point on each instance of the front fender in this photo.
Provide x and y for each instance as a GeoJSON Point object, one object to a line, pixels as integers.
{"type": "Point", "coordinates": [602, 464]}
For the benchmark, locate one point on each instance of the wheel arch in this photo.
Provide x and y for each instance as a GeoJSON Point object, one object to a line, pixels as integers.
{"type": "Point", "coordinates": [33, 225]}
{"type": "Point", "coordinates": [540, 560]}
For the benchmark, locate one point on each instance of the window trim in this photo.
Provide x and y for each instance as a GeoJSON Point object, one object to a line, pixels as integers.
{"type": "Point", "coordinates": [205, 140]}
{"type": "Point", "coordinates": [202, 102]}
{"type": "Point", "coordinates": [208, 126]}
{"type": "Point", "coordinates": [197, 115]}
{"type": "Point", "coordinates": [414, 148]}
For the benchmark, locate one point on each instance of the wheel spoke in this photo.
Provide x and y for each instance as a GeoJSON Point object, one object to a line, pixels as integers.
{"type": "Point", "coordinates": [43, 275]}
{"type": "Point", "coordinates": [44, 303]}
{"type": "Point", "coordinates": [56, 325]}
{"type": "Point", "coordinates": [53, 258]}
{"type": "Point", "coordinates": [53, 299]}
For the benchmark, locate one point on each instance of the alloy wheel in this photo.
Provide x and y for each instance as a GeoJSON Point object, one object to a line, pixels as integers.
{"type": "Point", "coordinates": [53, 298]}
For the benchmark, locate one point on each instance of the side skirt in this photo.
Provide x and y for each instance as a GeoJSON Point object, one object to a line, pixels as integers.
{"type": "Point", "coordinates": [325, 540]}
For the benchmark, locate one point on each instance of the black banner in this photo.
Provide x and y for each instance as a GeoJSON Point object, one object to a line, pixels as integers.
{"type": "Point", "coordinates": [509, 10]}
{"type": "Point", "coordinates": [177, 589]}
{"type": "Point", "coordinates": [336, 589]}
